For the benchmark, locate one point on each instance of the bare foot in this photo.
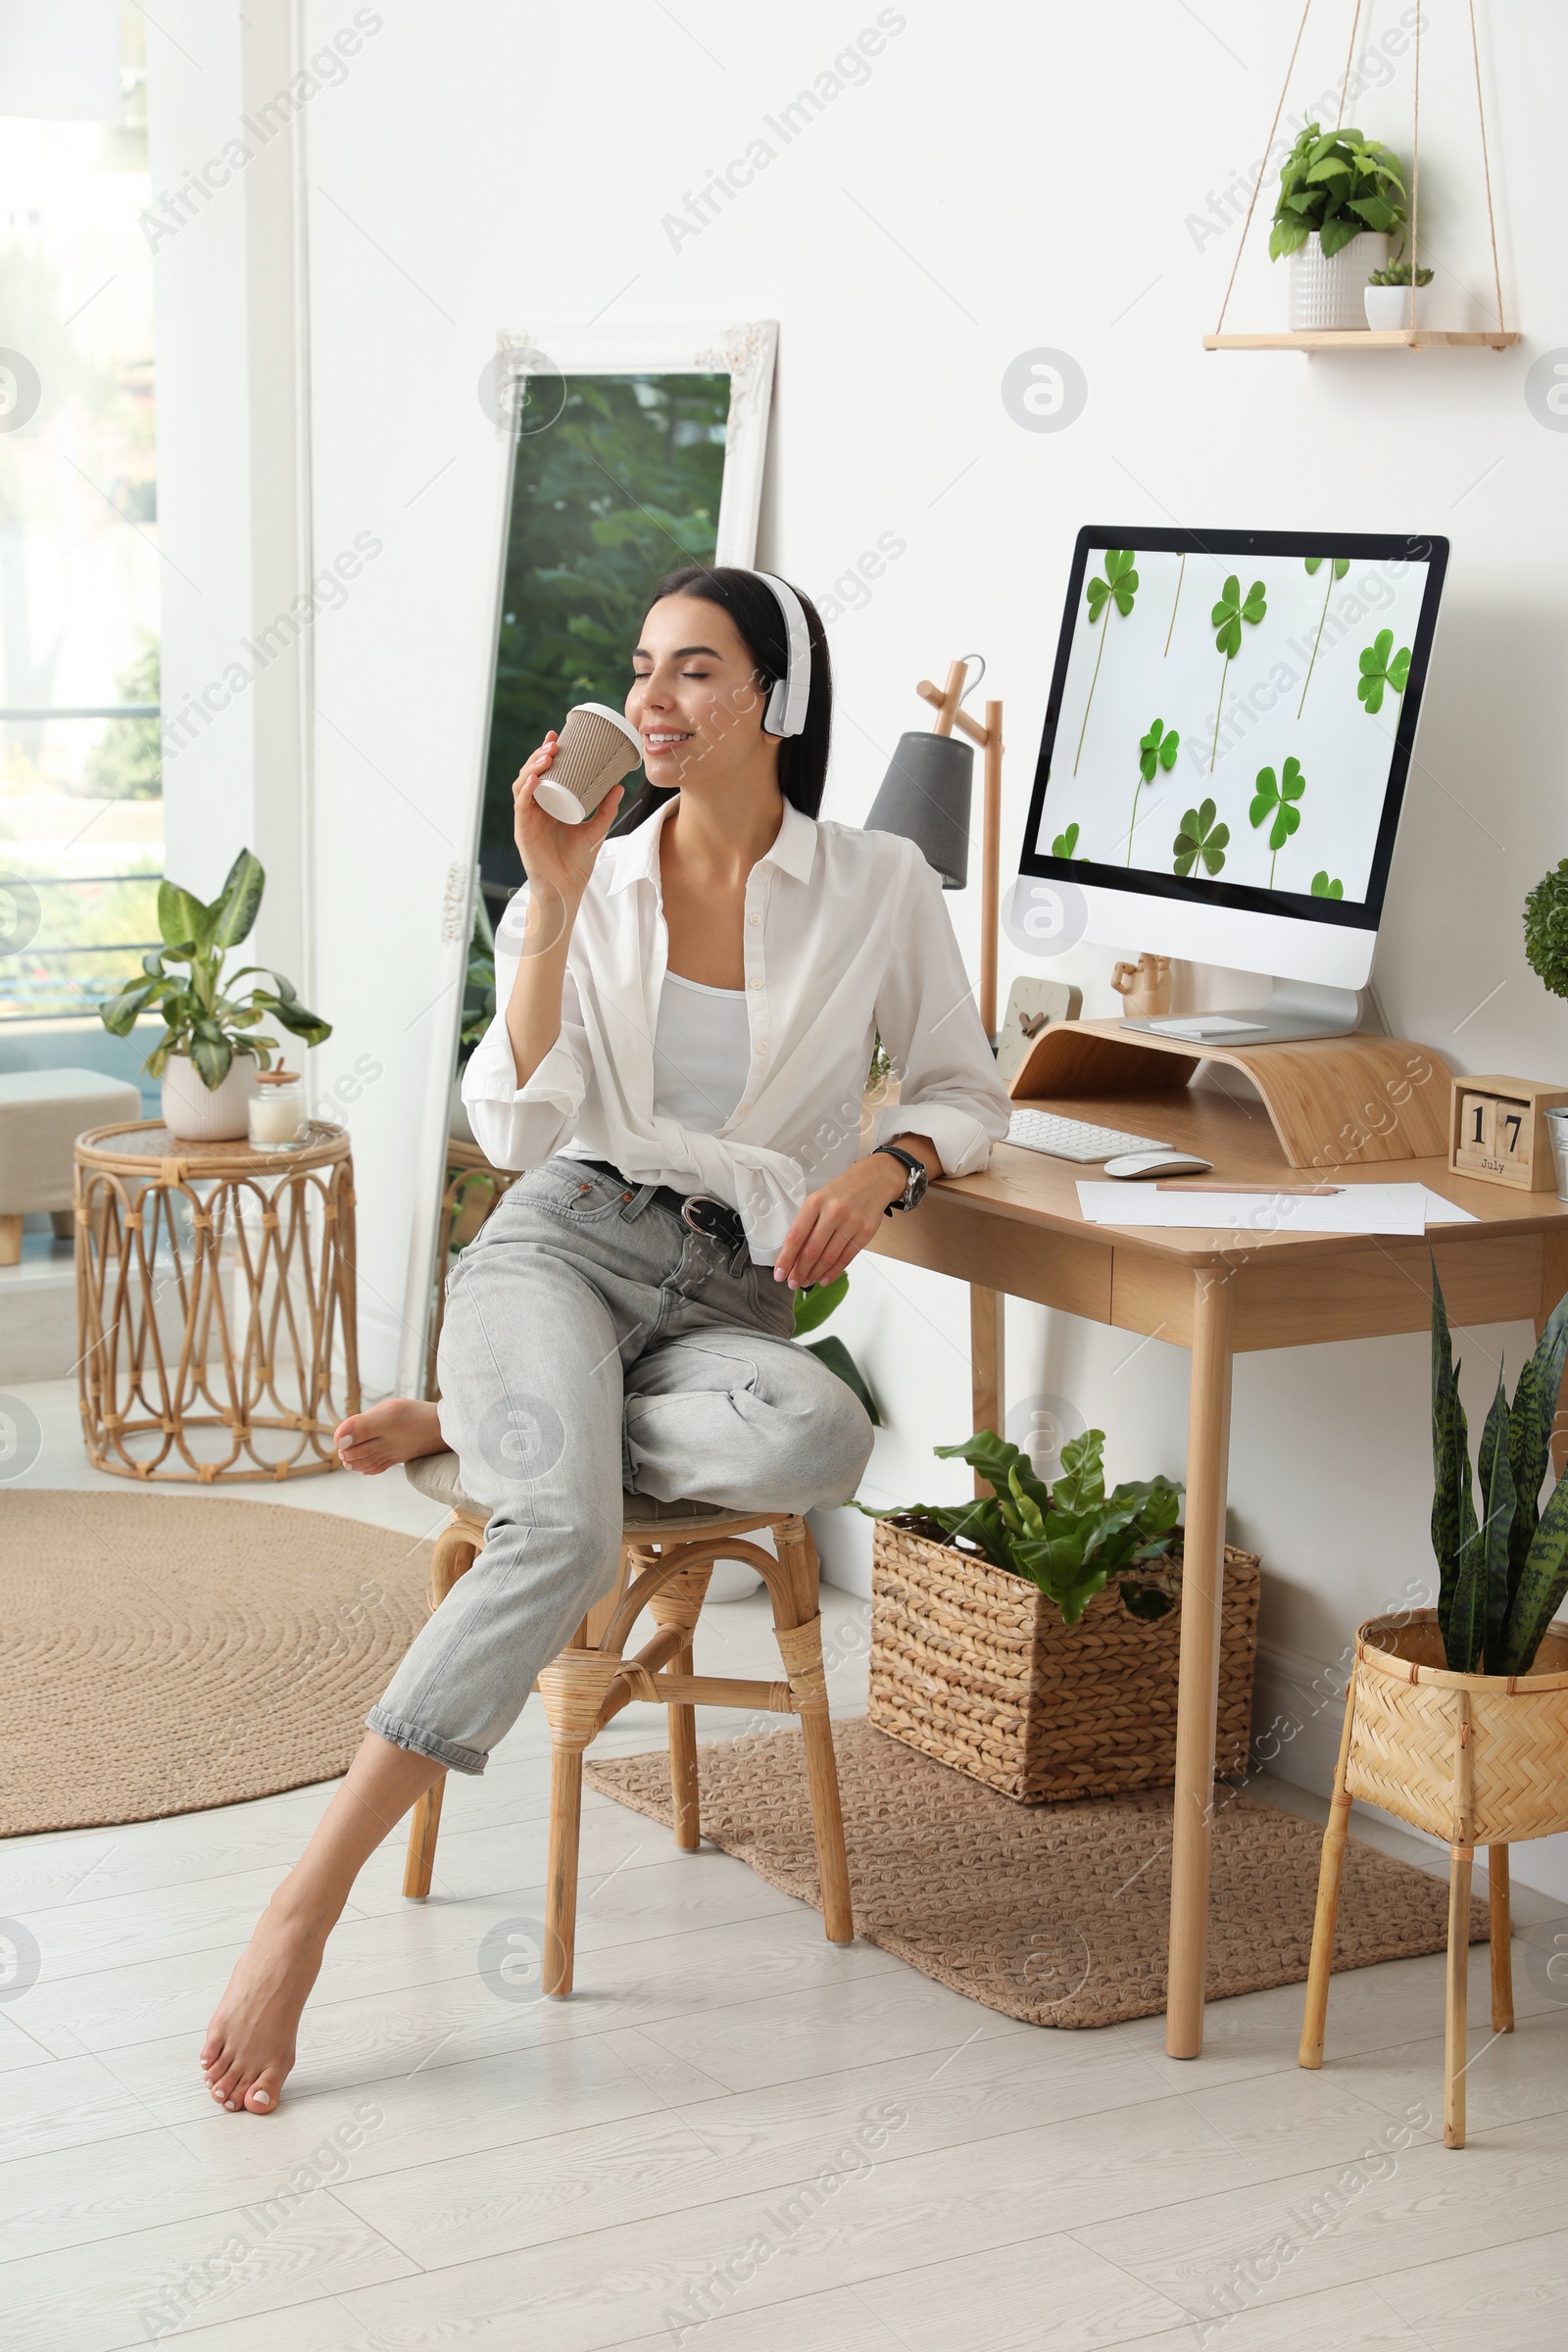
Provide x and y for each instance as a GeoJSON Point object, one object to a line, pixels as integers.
{"type": "Point", "coordinates": [249, 2049]}
{"type": "Point", "coordinates": [397, 1430]}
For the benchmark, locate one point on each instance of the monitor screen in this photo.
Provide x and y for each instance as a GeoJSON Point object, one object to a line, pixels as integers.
{"type": "Point", "coordinates": [1232, 714]}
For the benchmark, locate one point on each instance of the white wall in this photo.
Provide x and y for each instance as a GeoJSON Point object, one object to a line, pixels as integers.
{"type": "Point", "coordinates": [1003, 180]}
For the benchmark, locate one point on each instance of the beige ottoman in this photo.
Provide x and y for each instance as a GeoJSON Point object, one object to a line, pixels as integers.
{"type": "Point", "coordinates": [41, 1114]}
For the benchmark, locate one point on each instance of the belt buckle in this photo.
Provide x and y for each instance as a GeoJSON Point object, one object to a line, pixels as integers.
{"type": "Point", "coordinates": [713, 1219]}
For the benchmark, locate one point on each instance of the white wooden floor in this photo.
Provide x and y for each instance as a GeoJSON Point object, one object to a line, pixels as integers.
{"type": "Point", "coordinates": [733, 2135]}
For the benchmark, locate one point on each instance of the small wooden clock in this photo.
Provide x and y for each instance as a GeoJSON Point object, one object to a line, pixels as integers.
{"type": "Point", "coordinates": [1497, 1132]}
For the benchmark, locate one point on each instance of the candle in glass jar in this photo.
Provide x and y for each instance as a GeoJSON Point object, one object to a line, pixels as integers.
{"type": "Point", "coordinates": [278, 1111]}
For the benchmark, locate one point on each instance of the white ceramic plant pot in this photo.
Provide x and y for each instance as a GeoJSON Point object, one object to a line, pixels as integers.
{"type": "Point", "coordinates": [1327, 293]}
{"type": "Point", "coordinates": [1388, 307]}
{"type": "Point", "coordinates": [199, 1114]}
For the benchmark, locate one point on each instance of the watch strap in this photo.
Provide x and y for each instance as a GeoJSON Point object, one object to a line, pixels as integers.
{"type": "Point", "coordinates": [917, 1177]}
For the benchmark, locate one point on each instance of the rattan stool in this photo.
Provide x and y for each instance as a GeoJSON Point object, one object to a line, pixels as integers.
{"type": "Point", "coordinates": [668, 1555]}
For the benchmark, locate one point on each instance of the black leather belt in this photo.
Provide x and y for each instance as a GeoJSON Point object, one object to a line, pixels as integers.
{"type": "Point", "coordinates": [700, 1210]}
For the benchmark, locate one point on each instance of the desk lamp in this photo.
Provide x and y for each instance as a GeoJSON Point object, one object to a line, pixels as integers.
{"type": "Point", "coordinates": [925, 796]}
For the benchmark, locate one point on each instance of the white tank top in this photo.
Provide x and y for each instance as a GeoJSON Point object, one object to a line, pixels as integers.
{"type": "Point", "coordinates": [701, 1053]}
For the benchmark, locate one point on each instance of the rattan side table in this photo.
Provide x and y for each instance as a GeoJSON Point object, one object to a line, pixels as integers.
{"type": "Point", "coordinates": [215, 1304]}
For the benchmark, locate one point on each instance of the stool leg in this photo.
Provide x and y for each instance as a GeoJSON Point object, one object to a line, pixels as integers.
{"type": "Point", "coordinates": [684, 1795]}
{"type": "Point", "coordinates": [561, 1890]}
{"type": "Point", "coordinates": [800, 1648]}
{"type": "Point", "coordinates": [1501, 1940]}
{"type": "Point", "coordinates": [10, 1241]}
{"type": "Point", "coordinates": [573, 1688]}
{"type": "Point", "coordinates": [458, 1546]}
{"type": "Point", "coordinates": [680, 1604]}
{"type": "Point", "coordinates": [1315, 2020]}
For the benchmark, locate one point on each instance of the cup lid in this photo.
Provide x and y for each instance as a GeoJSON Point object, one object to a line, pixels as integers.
{"type": "Point", "coordinates": [277, 1077]}
{"type": "Point", "coordinates": [616, 718]}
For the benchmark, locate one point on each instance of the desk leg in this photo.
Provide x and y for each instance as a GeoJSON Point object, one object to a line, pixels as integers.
{"type": "Point", "coordinates": [1209, 1419]}
{"type": "Point", "coordinates": [986, 1367]}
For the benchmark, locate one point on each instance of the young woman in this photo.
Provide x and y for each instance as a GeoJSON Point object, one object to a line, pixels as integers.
{"type": "Point", "coordinates": [688, 1014]}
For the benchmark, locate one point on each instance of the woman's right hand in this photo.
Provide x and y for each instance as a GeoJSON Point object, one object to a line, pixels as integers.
{"type": "Point", "coordinates": [556, 857]}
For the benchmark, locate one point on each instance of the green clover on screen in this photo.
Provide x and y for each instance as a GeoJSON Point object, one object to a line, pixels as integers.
{"type": "Point", "coordinates": [1378, 671]}
{"type": "Point", "coordinates": [1227, 618]}
{"type": "Point", "coordinates": [1200, 840]}
{"type": "Point", "coordinates": [1278, 796]}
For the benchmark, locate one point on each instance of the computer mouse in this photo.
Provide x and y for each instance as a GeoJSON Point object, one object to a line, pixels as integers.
{"type": "Point", "coordinates": [1157, 1163]}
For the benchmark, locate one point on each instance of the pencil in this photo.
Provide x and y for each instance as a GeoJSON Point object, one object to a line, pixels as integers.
{"type": "Point", "coordinates": [1203, 1184]}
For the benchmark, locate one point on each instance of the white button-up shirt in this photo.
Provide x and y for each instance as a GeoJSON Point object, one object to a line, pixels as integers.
{"type": "Point", "coordinates": [845, 938]}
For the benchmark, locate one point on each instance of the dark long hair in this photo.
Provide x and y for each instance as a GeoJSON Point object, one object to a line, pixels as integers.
{"type": "Point", "coordinates": [754, 609]}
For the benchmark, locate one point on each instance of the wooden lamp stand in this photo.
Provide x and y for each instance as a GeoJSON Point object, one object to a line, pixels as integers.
{"type": "Point", "coordinates": [986, 1306]}
{"type": "Point", "coordinates": [987, 739]}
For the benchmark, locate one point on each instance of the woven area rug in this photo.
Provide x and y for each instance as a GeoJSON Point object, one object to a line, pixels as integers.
{"type": "Point", "coordinates": [162, 1654]}
{"type": "Point", "coordinates": [1054, 1914]}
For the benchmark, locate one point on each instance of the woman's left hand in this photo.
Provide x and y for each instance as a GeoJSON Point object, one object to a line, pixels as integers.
{"type": "Point", "coordinates": [835, 1222]}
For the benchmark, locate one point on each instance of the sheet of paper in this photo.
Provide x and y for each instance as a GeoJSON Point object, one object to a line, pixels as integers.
{"type": "Point", "coordinates": [1402, 1208]}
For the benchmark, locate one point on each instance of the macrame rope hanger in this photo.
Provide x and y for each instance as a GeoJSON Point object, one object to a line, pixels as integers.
{"type": "Point", "coordinates": [1415, 153]}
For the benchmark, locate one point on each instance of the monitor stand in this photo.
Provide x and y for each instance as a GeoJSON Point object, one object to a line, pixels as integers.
{"type": "Point", "coordinates": [1297, 1008]}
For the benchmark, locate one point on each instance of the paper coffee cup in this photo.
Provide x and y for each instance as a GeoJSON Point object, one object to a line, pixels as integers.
{"type": "Point", "coordinates": [594, 748]}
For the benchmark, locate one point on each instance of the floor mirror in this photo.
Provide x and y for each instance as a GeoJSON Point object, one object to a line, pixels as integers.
{"type": "Point", "coordinates": [617, 459]}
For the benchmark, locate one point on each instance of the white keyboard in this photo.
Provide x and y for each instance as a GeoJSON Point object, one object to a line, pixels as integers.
{"type": "Point", "coordinates": [1074, 1139]}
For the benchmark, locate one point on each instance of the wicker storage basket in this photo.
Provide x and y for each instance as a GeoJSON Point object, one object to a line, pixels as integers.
{"type": "Point", "coordinates": [1404, 1728]}
{"type": "Point", "coordinates": [974, 1666]}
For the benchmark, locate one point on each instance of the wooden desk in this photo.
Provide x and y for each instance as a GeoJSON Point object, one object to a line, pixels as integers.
{"type": "Point", "coordinates": [1018, 1229]}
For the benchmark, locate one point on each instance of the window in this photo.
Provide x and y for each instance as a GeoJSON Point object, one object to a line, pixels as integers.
{"type": "Point", "coordinates": [80, 795]}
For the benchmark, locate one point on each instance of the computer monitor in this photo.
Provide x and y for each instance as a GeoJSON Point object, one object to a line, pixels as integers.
{"type": "Point", "coordinates": [1231, 721]}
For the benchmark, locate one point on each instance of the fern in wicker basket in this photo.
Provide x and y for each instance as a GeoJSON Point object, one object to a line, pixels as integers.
{"type": "Point", "coordinates": [1069, 1539]}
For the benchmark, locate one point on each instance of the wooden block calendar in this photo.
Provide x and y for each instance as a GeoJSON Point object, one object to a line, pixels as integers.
{"type": "Point", "coordinates": [1498, 1133]}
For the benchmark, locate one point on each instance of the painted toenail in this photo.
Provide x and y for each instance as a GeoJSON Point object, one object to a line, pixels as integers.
{"type": "Point", "coordinates": [261, 2099]}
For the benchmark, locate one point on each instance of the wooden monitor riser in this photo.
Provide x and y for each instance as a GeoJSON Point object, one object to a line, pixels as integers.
{"type": "Point", "coordinates": [1334, 1101]}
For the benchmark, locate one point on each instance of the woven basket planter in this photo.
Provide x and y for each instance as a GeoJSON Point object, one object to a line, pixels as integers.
{"type": "Point", "coordinates": [974, 1667]}
{"type": "Point", "coordinates": [1404, 1733]}
{"type": "Point", "coordinates": [1479, 1759]}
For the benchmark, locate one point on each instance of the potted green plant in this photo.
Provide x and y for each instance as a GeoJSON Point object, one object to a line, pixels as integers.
{"type": "Point", "coordinates": [1546, 954]}
{"type": "Point", "coordinates": [1387, 301]}
{"type": "Point", "coordinates": [1457, 1718]}
{"type": "Point", "coordinates": [210, 1048]}
{"type": "Point", "coordinates": [1341, 198]}
{"type": "Point", "coordinates": [1029, 1639]}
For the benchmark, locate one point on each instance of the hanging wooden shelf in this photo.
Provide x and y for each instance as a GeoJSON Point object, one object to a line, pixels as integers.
{"type": "Point", "coordinates": [1366, 338]}
{"type": "Point", "coordinates": [1360, 338]}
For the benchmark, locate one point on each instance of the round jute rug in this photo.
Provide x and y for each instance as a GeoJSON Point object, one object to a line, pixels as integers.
{"type": "Point", "coordinates": [162, 1654]}
{"type": "Point", "coordinates": [1054, 1914]}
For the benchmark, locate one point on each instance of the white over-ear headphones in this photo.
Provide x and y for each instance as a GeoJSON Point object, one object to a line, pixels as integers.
{"type": "Point", "coordinates": [786, 703]}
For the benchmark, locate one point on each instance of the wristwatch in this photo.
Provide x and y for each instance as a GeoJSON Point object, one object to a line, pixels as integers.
{"type": "Point", "coordinates": [914, 1191]}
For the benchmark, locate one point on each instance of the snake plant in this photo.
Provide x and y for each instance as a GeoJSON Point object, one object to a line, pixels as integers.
{"type": "Point", "coordinates": [1069, 1539]}
{"type": "Point", "coordinates": [1502, 1571]}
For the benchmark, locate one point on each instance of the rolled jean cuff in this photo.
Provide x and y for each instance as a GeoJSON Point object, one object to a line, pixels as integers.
{"type": "Point", "coordinates": [425, 1743]}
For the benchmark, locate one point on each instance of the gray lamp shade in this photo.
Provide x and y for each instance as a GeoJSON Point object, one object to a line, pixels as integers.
{"type": "Point", "coordinates": [925, 796]}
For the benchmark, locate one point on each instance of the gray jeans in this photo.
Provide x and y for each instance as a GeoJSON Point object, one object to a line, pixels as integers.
{"type": "Point", "coordinates": [594, 1343]}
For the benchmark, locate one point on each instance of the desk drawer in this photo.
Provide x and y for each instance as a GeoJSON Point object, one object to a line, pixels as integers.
{"type": "Point", "coordinates": [1362, 1294]}
{"type": "Point", "coordinates": [1068, 1270]}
